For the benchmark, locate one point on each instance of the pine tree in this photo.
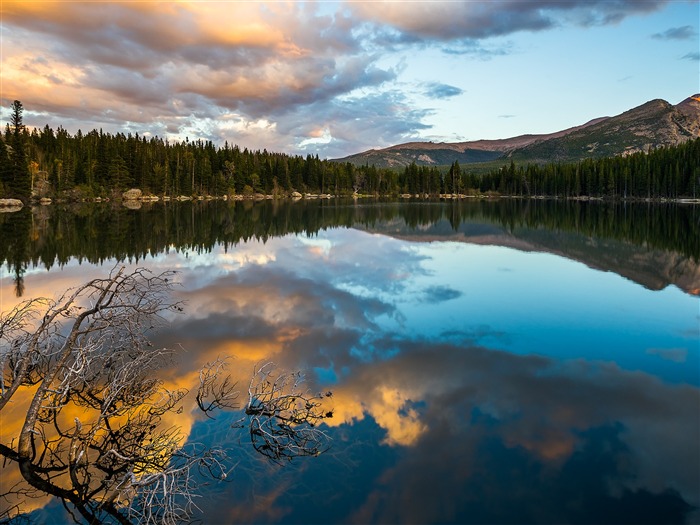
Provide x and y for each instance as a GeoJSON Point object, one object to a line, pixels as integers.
{"type": "Point", "coordinates": [5, 168]}
{"type": "Point", "coordinates": [19, 183]}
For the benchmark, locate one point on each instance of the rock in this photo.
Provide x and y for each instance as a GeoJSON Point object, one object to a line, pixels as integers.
{"type": "Point", "coordinates": [41, 188]}
{"type": "Point", "coordinates": [132, 204]}
{"type": "Point", "coordinates": [296, 195]}
{"type": "Point", "coordinates": [10, 203]}
{"type": "Point", "coordinates": [44, 201]}
{"type": "Point", "coordinates": [132, 194]}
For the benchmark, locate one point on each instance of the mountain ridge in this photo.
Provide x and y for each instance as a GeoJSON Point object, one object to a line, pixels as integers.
{"type": "Point", "coordinates": [652, 267]}
{"type": "Point", "coordinates": [652, 124]}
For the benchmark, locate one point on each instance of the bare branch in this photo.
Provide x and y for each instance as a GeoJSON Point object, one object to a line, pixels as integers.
{"type": "Point", "coordinates": [215, 392]}
{"type": "Point", "coordinates": [284, 418]}
{"type": "Point", "coordinates": [94, 434]}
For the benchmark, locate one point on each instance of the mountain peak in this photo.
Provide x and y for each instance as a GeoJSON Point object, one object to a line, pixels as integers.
{"type": "Point", "coordinates": [692, 100]}
{"type": "Point", "coordinates": [652, 124]}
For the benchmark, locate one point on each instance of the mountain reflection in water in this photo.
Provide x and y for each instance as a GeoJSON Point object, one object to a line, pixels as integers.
{"type": "Point", "coordinates": [480, 377]}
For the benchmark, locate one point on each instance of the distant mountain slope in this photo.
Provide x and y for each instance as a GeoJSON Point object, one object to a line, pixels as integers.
{"type": "Point", "coordinates": [656, 123]}
{"type": "Point", "coordinates": [650, 125]}
{"type": "Point", "coordinates": [653, 268]}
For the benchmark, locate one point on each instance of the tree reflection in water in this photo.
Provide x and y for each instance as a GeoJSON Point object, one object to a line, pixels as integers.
{"type": "Point", "coordinates": [96, 431]}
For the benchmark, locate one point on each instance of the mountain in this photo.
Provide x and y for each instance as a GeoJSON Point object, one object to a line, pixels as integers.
{"type": "Point", "coordinates": [656, 123]}
{"type": "Point", "coordinates": [653, 268]}
{"type": "Point", "coordinates": [653, 124]}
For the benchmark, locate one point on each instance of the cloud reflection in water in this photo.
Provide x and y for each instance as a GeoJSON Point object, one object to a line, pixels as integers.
{"type": "Point", "coordinates": [430, 428]}
{"type": "Point", "coordinates": [477, 434]}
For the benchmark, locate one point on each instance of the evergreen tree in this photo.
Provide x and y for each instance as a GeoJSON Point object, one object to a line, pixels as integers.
{"type": "Point", "coordinates": [5, 168]}
{"type": "Point", "coordinates": [118, 174]}
{"type": "Point", "coordinates": [19, 183]}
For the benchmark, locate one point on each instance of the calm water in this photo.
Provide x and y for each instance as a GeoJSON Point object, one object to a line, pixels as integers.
{"type": "Point", "coordinates": [491, 362]}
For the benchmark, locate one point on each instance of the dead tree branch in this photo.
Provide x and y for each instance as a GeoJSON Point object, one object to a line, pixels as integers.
{"type": "Point", "coordinates": [284, 417]}
{"type": "Point", "coordinates": [93, 433]}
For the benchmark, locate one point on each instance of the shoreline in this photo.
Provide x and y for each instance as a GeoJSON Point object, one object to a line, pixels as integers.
{"type": "Point", "coordinates": [13, 205]}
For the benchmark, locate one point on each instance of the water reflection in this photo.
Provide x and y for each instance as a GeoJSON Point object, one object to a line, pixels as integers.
{"type": "Point", "coordinates": [467, 426]}
{"type": "Point", "coordinates": [472, 383]}
{"type": "Point", "coordinates": [654, 245]}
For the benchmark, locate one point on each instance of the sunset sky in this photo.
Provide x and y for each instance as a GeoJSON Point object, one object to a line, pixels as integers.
{"type": "Point", "coordinates": [335, 78]}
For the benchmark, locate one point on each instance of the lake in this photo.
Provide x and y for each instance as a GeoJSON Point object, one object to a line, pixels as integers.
{"type": "Point", "coordinates": [507, 361]}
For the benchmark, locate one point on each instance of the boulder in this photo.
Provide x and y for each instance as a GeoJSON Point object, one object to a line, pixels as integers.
{"type": "Point", "coordinates": [132, 194]}
{"type": "Point", "coordinates": [11, 203]}
{"type": "Point", "coordinates": [131, 204]}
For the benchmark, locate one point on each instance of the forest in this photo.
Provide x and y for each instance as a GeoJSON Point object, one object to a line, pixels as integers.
{"type": "Point", "coordinates": [56, 164]}
{"type": "Point", "coordinates": [48, 236]}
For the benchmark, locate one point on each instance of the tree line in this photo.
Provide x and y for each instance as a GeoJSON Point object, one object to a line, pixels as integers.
{"type": "Point", "coordinates": [49, 236]}
{"type": "Point", "coordinates": [55, 163]}
{"type": "Point", "coordinates": [663, 173]}
{"type": "Point", "coordinates": [97, 163]}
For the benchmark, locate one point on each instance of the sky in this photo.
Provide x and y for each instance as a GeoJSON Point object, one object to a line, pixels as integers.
{"type": "Point", "coordinates": [336, 78]}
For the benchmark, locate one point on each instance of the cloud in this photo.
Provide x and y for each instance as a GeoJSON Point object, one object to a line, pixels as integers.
{"type": "Point", "coordinates": [676, 33]}
{"type": "Point", "coordinates": [676, 355]}
{"type": "Point", "coordinates": [694, 56]}
{"type": "Point", "coordinates": [527, 403]}
{"type": "Point", "coordinates": [446, 21]}
{"type": "Point", "coordinates": [439, 294]}
{"type": "Point", "coordinates": [263, 85]}
{"type": "Point", "coordinates": [255, 74]}
{"type": "Point", "coordinates": [450, 21]}
{"type": "Point", "coordinates": [163, 65]}
{"type": "Point", "coordinates": [438, 90]}
{"type": "Point", "coordinates": [418, 391]}
{"type": "Point", "coordinates": [462, 425]}
{"type": "Point", "coordinates": [347, 123]}
{"type": "Point", "coordinates": [362, 121]}
{"type": "Point", "coordinates": [476, 49]}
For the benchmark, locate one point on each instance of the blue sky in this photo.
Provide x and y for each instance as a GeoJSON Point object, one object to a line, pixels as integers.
{"type": "Point", "coordinates": [335, 78]}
